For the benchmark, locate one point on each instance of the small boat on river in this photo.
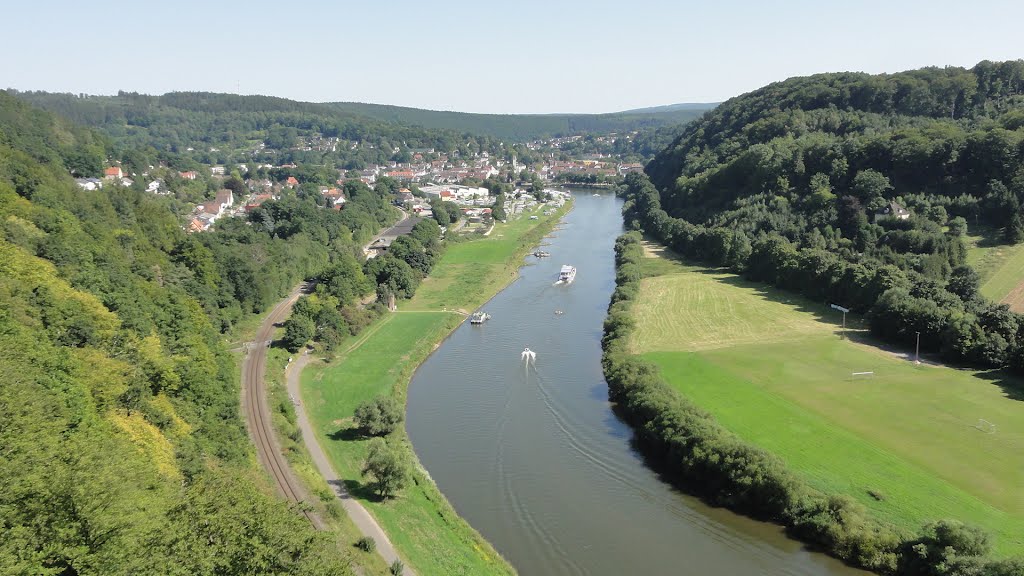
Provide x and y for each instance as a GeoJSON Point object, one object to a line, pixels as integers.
{"type": "Point", "coordinates": [541, 254]}
{"type": "Point", "coordinates": [479, 317]}
{"type": "Point", "coordinates": [566, 275]}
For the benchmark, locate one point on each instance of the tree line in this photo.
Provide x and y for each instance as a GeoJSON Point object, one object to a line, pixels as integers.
{"type": "Point", "coordinates": [334, 311]}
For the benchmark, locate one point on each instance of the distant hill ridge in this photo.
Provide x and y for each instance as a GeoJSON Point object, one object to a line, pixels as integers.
{"type": "Point", "coordinates": [96, 111]}
{"type": "Point", "coordinates": [521, 127]}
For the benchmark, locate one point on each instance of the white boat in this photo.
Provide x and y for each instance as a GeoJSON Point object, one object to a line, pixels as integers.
{"type": "Point", "coordinates": [541, 254]}
{"type": "Point", "coordinates": [567, 274]}
{"type": "Point", "coordinates": [479, 317]}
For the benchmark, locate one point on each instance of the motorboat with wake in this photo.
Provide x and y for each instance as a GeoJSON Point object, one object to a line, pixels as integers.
{"type": "Point", "coordinates": [566, 275]}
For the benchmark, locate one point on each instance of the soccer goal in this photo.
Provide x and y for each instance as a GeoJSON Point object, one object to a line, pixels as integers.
{"type": "Point", "coordinates": [985, 426]}
{"type": "Point", "coordinates": [860, 375]}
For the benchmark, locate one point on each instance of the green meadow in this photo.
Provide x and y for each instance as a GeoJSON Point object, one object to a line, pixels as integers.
{"type": "Point", "coordinates": [420, 522]}
{"type": "Point", "coordinates": [1001, 267]}
{"type": "Point", "coordinates": [774, 369]}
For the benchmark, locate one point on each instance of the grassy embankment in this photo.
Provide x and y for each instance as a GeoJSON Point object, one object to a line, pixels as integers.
{"type": "Point", "coordinates": [771, 367]}
{"type": "Point", "coordinates": [1001, 267]}
{"type": "Point", "coordinates": [421, 523]}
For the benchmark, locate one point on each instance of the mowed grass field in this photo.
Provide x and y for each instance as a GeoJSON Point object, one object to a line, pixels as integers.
{"type": "Point", "coordinates": [420, 522]}
{"type": "Point", "coordinates": [472, 272]}
{"type": "Point", "coordinates": [1001, 267]}
{"type": "Point", "coordinates": [773, 369]}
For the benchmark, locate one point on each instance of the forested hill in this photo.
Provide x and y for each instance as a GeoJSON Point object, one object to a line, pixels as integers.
{"type": "Point", "coordinates": [527, 127]}
{"type": "Point", "coordinates": [121, 446]}
{"type": "Point", "coordinates": [857, 189]}
{"type": "Point", "coordinates": [225, 128]}
{"type": "Point", "coordinates": [929, 130]}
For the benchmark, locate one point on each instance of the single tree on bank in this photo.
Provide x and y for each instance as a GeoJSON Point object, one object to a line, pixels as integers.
{"type": "Point", "coordinates": [387, 467]}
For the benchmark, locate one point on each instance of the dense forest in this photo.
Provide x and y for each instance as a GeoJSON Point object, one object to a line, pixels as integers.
{"type": "Point", "coordinates": [801, 184]}
{"type": "Point", "coordinates": [527, 127]}
{"type": "Point", "coordinates": [122, 446]}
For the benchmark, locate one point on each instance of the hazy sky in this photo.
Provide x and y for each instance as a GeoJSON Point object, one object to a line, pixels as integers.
{"type": "Point", "coordinates": [508, 57]}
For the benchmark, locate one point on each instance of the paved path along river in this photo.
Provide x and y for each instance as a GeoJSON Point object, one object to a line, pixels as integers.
{"type": "Point", "coordinates": [533, 457]}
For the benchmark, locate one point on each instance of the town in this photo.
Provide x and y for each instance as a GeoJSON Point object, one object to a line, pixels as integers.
{"type": "Point", "coordinates": [470, 181]}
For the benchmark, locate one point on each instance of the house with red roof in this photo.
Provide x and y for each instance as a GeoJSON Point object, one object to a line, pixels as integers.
{"type": "Point", "coordinates": [256, 201]}
{"type": "Point", "coordinates": [335, 197]}
{"type": "Point", "coordinates": [113, 172]}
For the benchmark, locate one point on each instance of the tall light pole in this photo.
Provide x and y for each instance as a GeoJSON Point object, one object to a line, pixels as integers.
{"type": "Point", "coordinates": [844, 311]}
{"type": "Point", "coordinates": [917, 350]}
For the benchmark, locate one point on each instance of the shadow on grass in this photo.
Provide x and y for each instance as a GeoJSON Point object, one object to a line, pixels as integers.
{"type": "Point", "coordinates": [1012, 385]}
{"type": "Point", "coordinates": [821, 311]}
{"type": "Point", "coordinates": [347, 435]}
{"type": "Point", "coordinates": [990, 237]}
{"type": "Point", "coordinates": [355, 489]}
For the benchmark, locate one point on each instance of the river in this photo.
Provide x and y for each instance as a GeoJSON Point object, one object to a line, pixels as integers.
{"type": "Point", "coordinates": [534, 458]}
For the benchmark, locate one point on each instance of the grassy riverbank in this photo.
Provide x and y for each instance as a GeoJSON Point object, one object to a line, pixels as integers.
{"type": "Point", "coordinates": [421, 523]}
{"type": "Point", "coordinates": [771, 368]}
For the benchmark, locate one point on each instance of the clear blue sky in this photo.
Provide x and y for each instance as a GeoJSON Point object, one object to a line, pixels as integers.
{"type": "Point", "coordinates": [507, 57]}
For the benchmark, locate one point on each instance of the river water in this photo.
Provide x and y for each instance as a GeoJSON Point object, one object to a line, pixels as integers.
{"type": "Point", "coordinates": [534, 458]}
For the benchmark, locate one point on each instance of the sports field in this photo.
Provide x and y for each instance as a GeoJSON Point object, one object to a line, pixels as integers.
{"type": "Point", "coordinates": [772, 368]}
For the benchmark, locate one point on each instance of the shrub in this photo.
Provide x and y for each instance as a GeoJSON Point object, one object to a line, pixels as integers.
{"type": "Point", "coordinates": [380, 416]}
{"type": "Point", "coordinates": [367, 544]}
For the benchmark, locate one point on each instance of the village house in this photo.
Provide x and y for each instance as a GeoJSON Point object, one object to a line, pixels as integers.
{"type": "Point", "coordinates": [113, 173]}
{"type": "Point", "coordinates": [406, 175]}
{"type": "Point", "coordinates": [335, 197]}
{"type": "Point", "coordinates": [257, 200]}
{"type": "Point", "coordinates": [217, 170]}
{"type": "Point", "coordinates": [892, 210]}
{"type": "Point", "coordinates": [455, 192]}
{"type": "Point", "coordinates": [208, 212]}
{"type": "Point", "coordinates": [89, 183]}
{"type": "Point", "coordinates": [190, 175]}
{"type": "Point", "coordinates": [291, 182]}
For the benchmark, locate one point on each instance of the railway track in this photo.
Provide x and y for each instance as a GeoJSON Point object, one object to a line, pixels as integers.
{"type": "Point", "coordinates": [257, 409]}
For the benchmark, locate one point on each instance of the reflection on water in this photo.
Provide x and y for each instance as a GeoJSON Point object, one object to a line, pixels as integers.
{"type": "Point", "coordinates": [531, 454]}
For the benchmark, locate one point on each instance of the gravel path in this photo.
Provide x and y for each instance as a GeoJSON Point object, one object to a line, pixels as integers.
{"type": "Point", "coordinates": [359, 515]}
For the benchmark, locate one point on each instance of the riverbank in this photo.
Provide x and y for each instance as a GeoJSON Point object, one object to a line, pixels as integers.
{"type": "Point", "coordinates": [860, 466]}
{"type": "Point", "coordinates": [421, 523]}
